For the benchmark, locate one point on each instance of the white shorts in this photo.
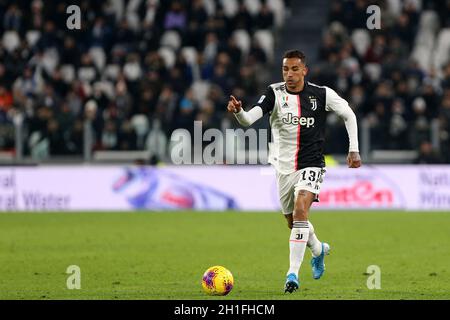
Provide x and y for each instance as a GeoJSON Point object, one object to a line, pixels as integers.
{"type": "Point", "coordinates": [309, 179]}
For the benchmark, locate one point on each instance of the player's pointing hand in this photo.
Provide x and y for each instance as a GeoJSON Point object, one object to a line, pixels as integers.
{"type": "Point", "coordinates": [234, 105]}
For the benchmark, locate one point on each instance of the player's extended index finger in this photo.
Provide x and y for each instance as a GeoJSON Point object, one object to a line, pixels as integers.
{"type": "Point", "coordinates": [234, 99]}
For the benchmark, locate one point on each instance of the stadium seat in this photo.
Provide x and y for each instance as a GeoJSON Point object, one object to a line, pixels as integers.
{"type": "Point", "coordinates": [32, 37]}
{"type": "Point", "coordinates": [68, 73]}
{"type": "Point", "coordinates": [278, 9]}
{"type": "Point", "coordinates": [115, 7]}
{"type": "Point", "coordinates": [336, 28]}
{"type": "Point", "coordinates": [210, 7]}
{"type": "Point", "coordinates": [253, 6]}
{"type": "Point", "coordinates": [373, 70]}
{"type": "Point", "coordinates": [132, 15]}
{"type": "Point", "coordinates": [429, 21]}
{"type": "Point", "coordinates": [98, 57]}
{"type": "Point", "coordinates": [86, 74]}
{"type": "Point", "coordinates": [266, 41]}
{"type": "Point", "coordinates": [441, 55]}
{"type": "Point", "coordinates": [39, 146]}
{"type": "Point", "coordinates": [151, 9]}
{"type": "Point", "coordinates": [132, 71]}
{"type": "Point", "coordinates": [242, 39]}
{"type": "Point", "coordinates": [140, 125]}
{"type": "Point", "coordinates": [360, 41]}
{"type": "Point", "coordinates": [190, 54]}
{"type": "Point", "coordinates": [50, 60]}
{"type": "Point", "coordinates": [171, 39]}
{"type": "Point", "coordinates": [133, 5]}
{"type": "Point", "coordinates": [11, 40]}
{"type": "Point", "coordinates": [394, 7]}
{"type": "Point", "coordinates": [417, 4]}
{"type": "Point", "coordinates": [230, 7]}
{"type": "Point", "coordinates": [156, 141]}
{"type": "Point", "coordinates": [87, 88]}
{"type": "Point", "coordinates": [133, 21]}
{"type": "Point", "coordinates": [422, 54]}
{"type": "Point", "coordinates": [425, 40]}
{"type": "Point", "coordinates": [168, 56]}
{"type": "Point", "coordinates": [111, 71]}
{"type": "Point", "coordinates": [200, 90]}
{"type": "Point", "coordinates": [107, 87]}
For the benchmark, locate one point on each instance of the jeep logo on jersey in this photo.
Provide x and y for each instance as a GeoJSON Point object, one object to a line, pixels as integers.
{"type": "Point", "coordinates": [303, 121]}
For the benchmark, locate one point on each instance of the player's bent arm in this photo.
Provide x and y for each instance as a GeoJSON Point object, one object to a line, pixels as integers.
{"type": "Point", "coordinates": [339, 105]}
{"type": "Point", "coordinates": [264, 105]}
{"type": "Point", "coordinates": [247, 118]}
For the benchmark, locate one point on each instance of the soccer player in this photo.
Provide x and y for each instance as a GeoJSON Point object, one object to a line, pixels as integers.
{"type": "Point", "coordinates": [298, 110]}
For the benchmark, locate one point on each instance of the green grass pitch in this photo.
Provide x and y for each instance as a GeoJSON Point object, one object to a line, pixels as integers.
{"type": "Point", "coordinates": [149, 255]}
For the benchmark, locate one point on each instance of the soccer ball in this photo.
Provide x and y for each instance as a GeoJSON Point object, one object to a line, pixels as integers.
{"type": "Point", "coordinates": [217, 281]}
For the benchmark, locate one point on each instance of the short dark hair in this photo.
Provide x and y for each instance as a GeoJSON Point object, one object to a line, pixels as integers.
{"type": "Point", "coordinates": [295, 54]}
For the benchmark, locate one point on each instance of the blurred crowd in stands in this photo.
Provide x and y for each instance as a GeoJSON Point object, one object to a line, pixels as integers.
{"type": "Point", "coordinates": [138, 69]}
{"type": "Point", "coordinates": [397, 78]}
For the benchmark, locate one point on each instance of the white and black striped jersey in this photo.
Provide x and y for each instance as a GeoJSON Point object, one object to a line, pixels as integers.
{"type": "Point", "coordinates": [297, 121]}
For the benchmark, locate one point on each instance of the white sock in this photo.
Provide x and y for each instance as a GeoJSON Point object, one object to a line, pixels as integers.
{"type": "Point", "coordinates": [297, 245]}
{"type": "Point", "coordinates": [313, 243]}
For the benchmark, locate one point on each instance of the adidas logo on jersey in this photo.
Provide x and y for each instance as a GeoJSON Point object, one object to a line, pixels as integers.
{"type": "Point", "coordinates": [303, 121]}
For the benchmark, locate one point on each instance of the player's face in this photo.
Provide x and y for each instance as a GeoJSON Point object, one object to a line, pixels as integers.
{"type": "Point", "coordinates": [294, 72]}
